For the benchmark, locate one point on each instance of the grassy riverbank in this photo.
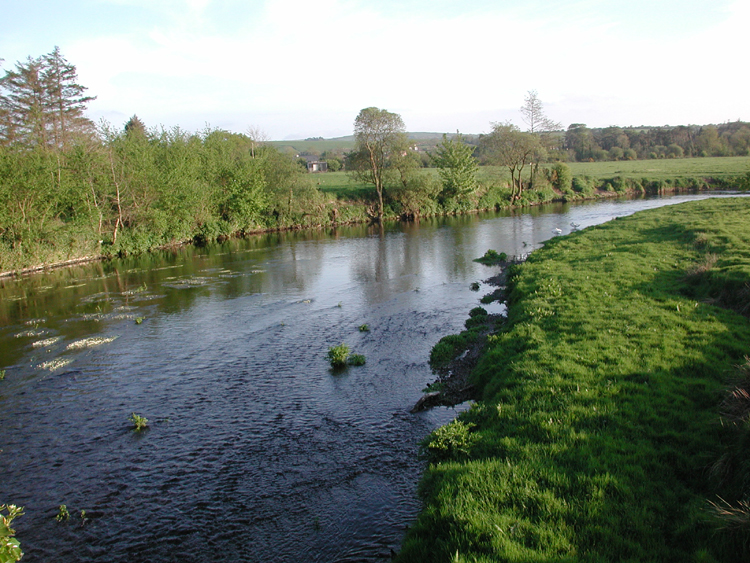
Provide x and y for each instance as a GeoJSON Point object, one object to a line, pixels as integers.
{"type": "Point", "coordinates": [598, 433]}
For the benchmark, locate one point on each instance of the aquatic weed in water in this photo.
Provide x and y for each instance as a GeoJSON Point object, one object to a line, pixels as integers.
{"type": "Point", "coordinates": [356, 360]}
{"type": "Point", "coordinates": [62, 513]}
{"type": "Point", "coordinates": [337, 355]}
{"type": "Point", "coordinates": [139, 422]}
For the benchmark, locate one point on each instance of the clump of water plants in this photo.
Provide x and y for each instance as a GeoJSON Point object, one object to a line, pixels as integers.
{"type": "Point", "coordinates": [364, 328]}
{"type": "Point", "coordinates": [138, 320]}
{"type": "Point", "coordinates": [10, 548]}
{"type": "Point", "coordinates": [474, 286]}
{"type": "Point", "coordinates": [62, 514]}
{"type": "Point", "coordinates": [492, 257]}
{"type": "Point", "coordinates": [356, 360]}
{"type": "Point", "coordinates": [139, 422]}
{"type": "Point", "coordinates": [338, 355]}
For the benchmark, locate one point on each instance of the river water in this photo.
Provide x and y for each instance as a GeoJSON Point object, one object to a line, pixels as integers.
{"type": "Point", "coordinates": [256, 450]}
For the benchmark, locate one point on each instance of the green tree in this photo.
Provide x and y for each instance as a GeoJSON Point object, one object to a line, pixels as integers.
{"type": "Point", "coordinates": [380, 138]}
{"type": "Point", "coordinates": [42, 103]}
{"type": "Point", "coordinates": [24, 104]}
{"type": "Point", "coordinates": [580, 141]}
{"type": "Point", "coordinates": [512, 148]}
{"type": "Point", "coordinates": [456, 166]}
{"type": "Point", "coordinates": [64, 99]}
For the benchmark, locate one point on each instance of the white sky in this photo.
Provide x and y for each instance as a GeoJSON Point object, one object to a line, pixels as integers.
{"type": "Point", "coordinates": [296, 68]}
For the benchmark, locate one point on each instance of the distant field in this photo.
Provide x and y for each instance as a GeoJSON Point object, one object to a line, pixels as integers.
{"type": "Point", "coordinates": [340, 184]}
{"type": "Point", "coordinates": [317, 147]}
{"type": "Point", "coordinates": [425, 141]}
{"type": "Point", "coordinates": [716, 167]}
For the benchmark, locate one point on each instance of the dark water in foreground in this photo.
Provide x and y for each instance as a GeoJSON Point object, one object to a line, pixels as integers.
{"type": "Point", "coordinates": [256, 450]}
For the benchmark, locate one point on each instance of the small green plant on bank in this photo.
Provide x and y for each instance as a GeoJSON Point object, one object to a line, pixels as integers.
{"type": "Point", "coordinates": [356, 360]}
{"type": "Point", "coordinates": [62, 514]}
{"type": "Point", "coordinates": [491, 258]}
{"type": "Point", "coordinates": [2, 374]}
{"type": "Point", "coordinates": [337, 355]}
{"type": "Point", "coordinates": [364, 328]}
{"type": "Point", "coordinates": [10, 548]}
{"type": "Point", "coordinates": [452, 441]}
{"type": "Point", "coordinates": [139, 422]}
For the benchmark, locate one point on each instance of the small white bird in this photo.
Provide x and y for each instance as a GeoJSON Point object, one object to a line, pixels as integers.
{"type": "Point", "coordinates": [557, 231]}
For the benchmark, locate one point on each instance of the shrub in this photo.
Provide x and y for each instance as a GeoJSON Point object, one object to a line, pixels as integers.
{"type": "Point", "coordinates": [562, 177]}
{"type": "Point", "coordinates": [338, 355]}
{"type": "Point", "coordinates": [474, 286]}
{"type": "Point", "coordinates": [584, 185]}
{"type": "Point", "coordinates": [492, 257]}
{"type": "Point", "coordinates": [477, 311]}
{"type": "Point", "coordinates": [450, 442]}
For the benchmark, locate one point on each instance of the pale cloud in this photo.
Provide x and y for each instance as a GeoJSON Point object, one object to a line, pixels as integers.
{"type": "Point", "coordinates": [305, 67]}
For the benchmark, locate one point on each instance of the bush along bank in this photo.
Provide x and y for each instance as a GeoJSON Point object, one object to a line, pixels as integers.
{"type": "Point", "coordinates": [64, 241]}
{"type": "Point", "coordinates": [603, 430]}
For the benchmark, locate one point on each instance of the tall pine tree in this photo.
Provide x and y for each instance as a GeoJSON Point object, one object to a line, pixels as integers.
{"type": "Point", "coordinates": [42, 104]}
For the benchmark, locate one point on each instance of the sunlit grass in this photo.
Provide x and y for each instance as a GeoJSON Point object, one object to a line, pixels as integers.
{"type": "Point", "coordinates": [601, 400]}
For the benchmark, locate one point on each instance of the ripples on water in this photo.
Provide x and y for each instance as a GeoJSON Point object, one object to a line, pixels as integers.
{"type": "Point", "coordinates": [256, 450]}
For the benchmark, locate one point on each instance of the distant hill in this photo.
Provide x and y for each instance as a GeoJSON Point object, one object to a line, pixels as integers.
{"type": "Point", "coordinates": [424, 140]}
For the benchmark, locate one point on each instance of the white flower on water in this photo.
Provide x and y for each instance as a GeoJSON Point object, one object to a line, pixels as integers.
{"type": "Point", "coordinates": [89, 342]}
{"type": "Point", "coordinates": [46, 342]}
{"type": "Point", "coordinates": [55, 364]}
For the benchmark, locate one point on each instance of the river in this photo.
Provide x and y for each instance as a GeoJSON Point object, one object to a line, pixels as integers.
{"type": "Point", "coordinates": [256, 450]}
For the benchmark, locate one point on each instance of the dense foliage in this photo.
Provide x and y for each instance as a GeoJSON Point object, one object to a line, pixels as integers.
{"type": "Point", "coordinates": [600, 435]}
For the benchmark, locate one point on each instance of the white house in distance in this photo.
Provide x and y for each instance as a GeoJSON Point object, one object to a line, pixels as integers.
{"type": "Point", "coordinates": [317, 166]}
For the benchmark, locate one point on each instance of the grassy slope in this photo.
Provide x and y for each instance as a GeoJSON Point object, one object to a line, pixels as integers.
{"type": "Point", "coordinates": [600, 411]}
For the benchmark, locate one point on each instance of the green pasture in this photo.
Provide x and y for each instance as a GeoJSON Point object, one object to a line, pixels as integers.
{"type": "Point", "coordinates": [660, 169]}
{"type": "Point", "coordinates": [340, 184]}
{"type": "Point", "coordinates": [598, 432]}
{"type": "Point", "coordinates": [315, 147]}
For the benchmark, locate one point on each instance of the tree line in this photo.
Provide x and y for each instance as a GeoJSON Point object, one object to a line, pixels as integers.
{"type": "Point", "coordinates": [69, 187]}
{"type": "Point", "coordinates": [582, 144]}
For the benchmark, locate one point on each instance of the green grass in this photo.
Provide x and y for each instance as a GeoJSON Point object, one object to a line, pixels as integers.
{"type": "Point", "coordinates": [599, 419]}
{"type": "Point", "coordinates": [715, 167]}
{"type": "Point", "coordinates": [297, 147]}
